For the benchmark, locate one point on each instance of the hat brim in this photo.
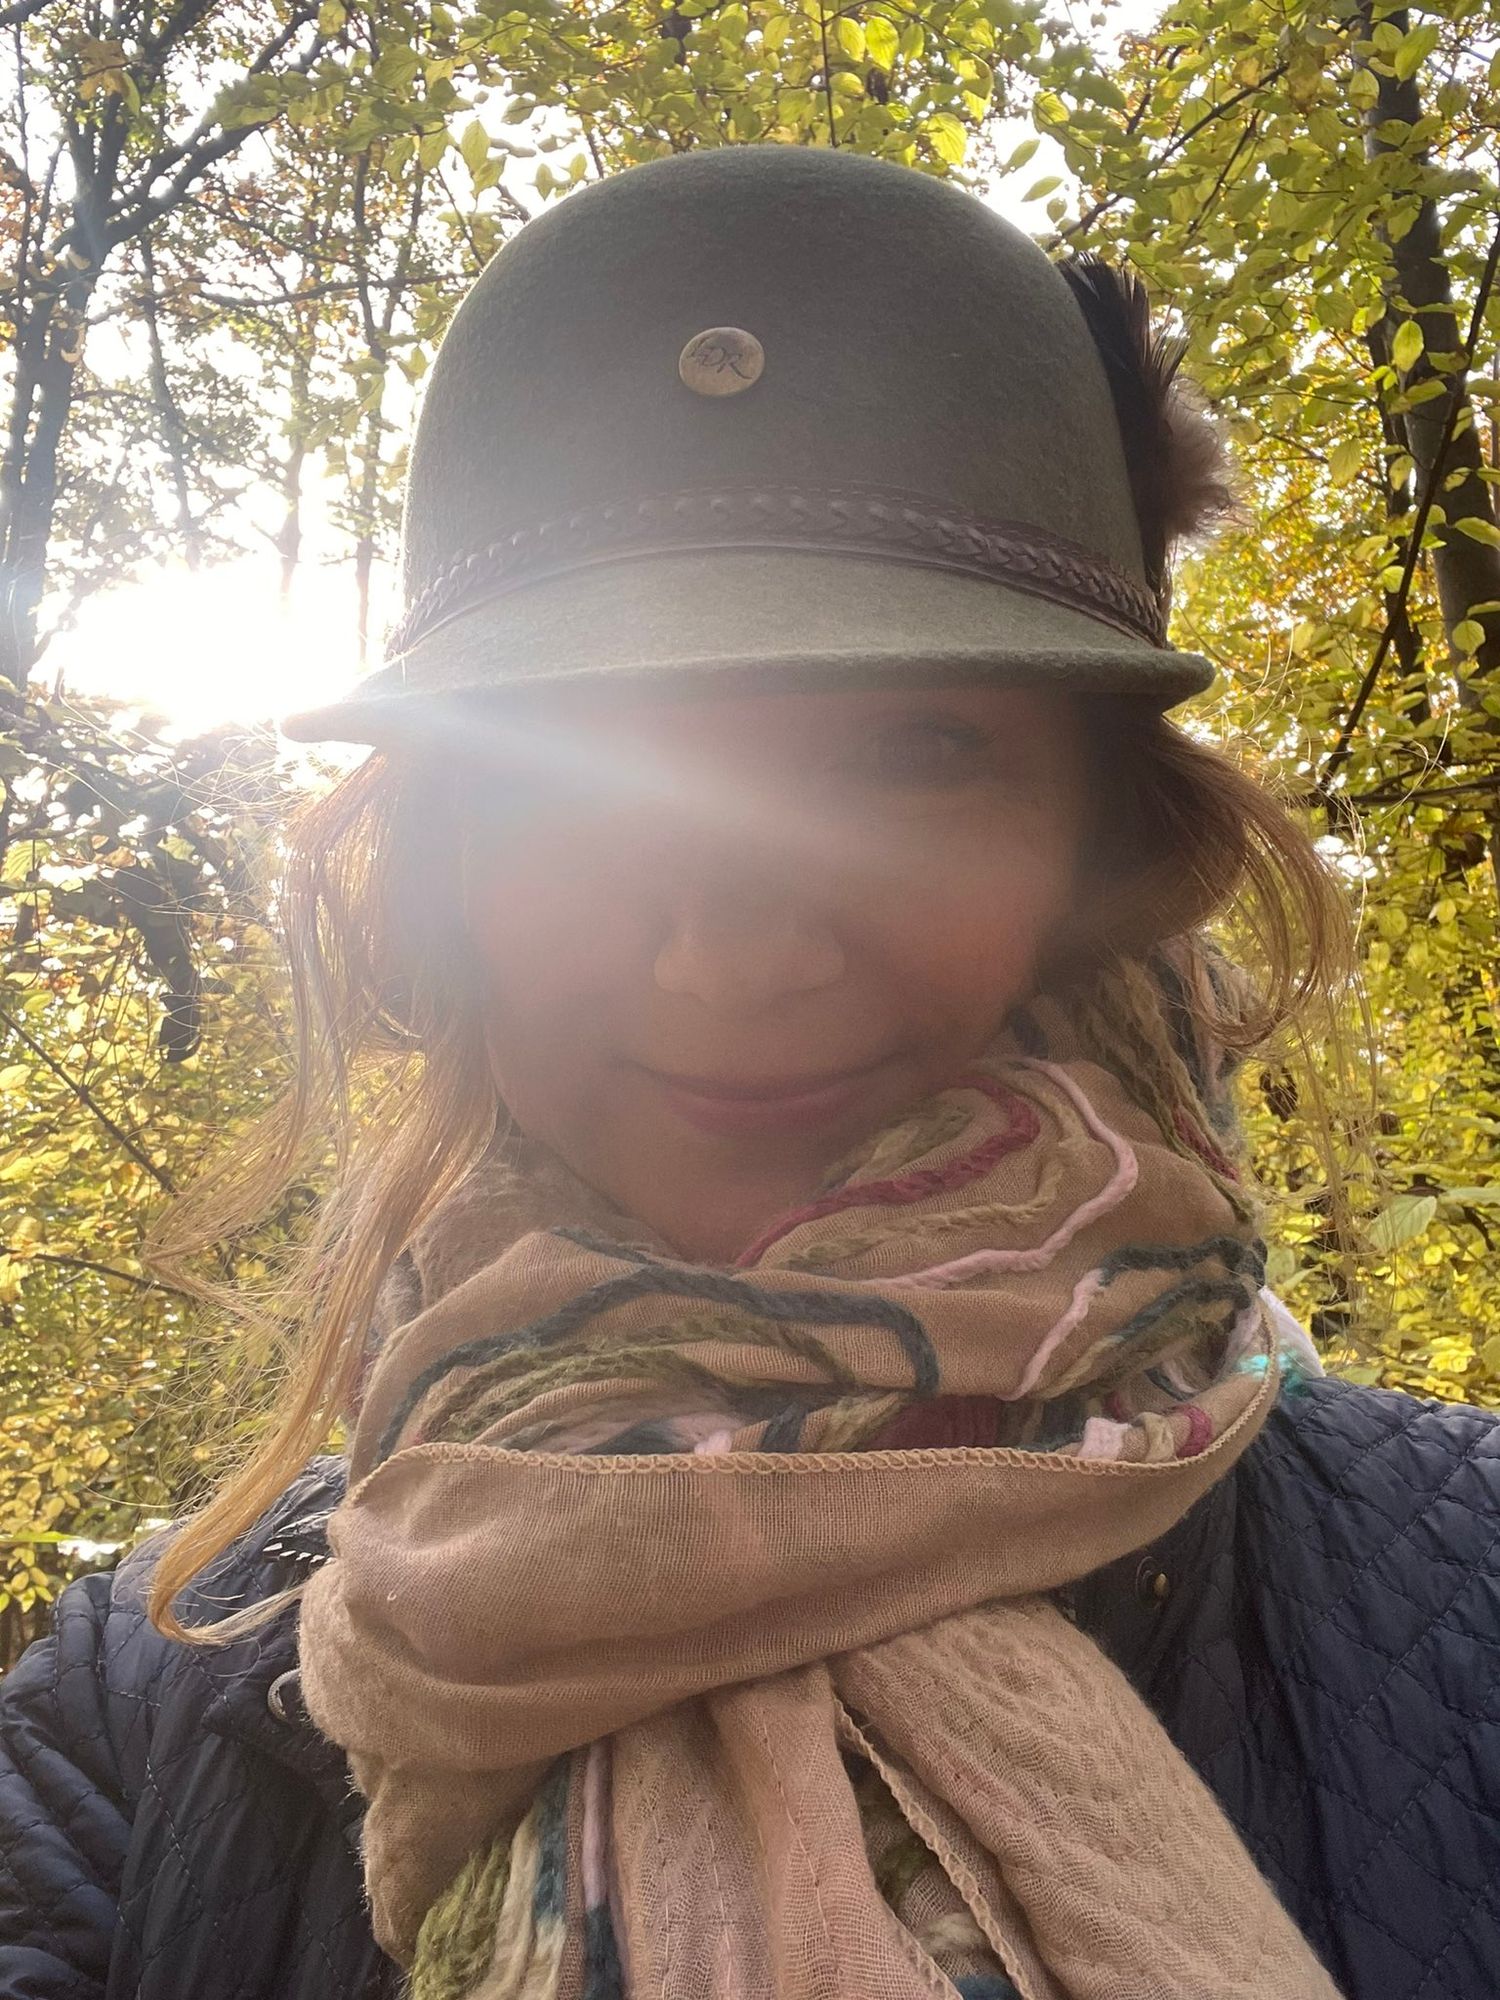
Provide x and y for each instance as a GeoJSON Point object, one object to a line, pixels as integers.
{"type": "Point", "coordinates": [740, 619]}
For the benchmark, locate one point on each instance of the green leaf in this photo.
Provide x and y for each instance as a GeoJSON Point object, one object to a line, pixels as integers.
{"type": "Point", "coordinates": [1403, 1221]}
{"type": "Point", "coordinates": [1406, 348]}
{"type": "Point", "coordinates": [398, 67]}
{"type": "Point", "coordinates": [1416, 45]}
{"type": "Point", "coordinates": [1468, 635]}
{"type": "Point", "coordinates": [474, 146]}
{"type": "Point", "coordinates": [1475, 1197]}
{"type": "Point", "coordinates": [851, 38]}
{"type": "Point", "coordinates": [1048, 184]}
{"type": "Point", "coordinates": [1345, 460]}
{"type": "Point", "coordinates": [1479, 530]}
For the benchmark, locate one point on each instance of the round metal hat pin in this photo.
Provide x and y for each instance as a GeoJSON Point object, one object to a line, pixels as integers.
{"type": "Point", "coordinates": [721, 361]}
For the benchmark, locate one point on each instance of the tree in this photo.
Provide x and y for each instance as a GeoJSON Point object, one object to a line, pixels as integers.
{"type": "Point", "coordinates": [103, 146]}
{"type": "Point", "coordinates": [1314, 190]}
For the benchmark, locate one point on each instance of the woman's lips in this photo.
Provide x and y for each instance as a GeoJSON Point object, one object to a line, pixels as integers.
{"type": "Point", "coordinates": [792, 1104]}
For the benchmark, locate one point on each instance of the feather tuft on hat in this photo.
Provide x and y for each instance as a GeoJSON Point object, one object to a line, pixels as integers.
{"type": "Point", "coordinates": [1178, 465]}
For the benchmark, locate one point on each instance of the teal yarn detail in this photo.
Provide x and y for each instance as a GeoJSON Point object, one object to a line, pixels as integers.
{"type": "Point", "coordinates": [550, 1899]}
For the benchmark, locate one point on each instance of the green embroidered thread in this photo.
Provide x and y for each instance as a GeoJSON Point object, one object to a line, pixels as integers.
{"type": "Point", "coordinates": [457, 1940]}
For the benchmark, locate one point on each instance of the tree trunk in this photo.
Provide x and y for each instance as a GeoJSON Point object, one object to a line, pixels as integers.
{"type": "Point", "coordinates": [364, 547]}
{"type": "Point", "coordinates": [173, 429]}
{"type": "Point", "coordinates": [1467, 572]}
{"type": "Point", "coordinates": [48, 351]}
{"type": "Point", "coordinates": [289, 535]}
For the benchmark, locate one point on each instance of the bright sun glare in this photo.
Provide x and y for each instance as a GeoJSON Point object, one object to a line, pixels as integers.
{"type": "Point", "coordinates": [217, 644]}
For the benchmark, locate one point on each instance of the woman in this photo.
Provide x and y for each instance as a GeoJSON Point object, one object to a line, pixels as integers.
{"type": "Point", "coordinates": [829, 1508]}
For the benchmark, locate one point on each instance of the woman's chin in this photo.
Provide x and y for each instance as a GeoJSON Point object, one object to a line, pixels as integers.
{"type": "Point", "coordinates": [710, 1187]}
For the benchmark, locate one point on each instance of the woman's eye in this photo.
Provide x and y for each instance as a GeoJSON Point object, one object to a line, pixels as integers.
{"type": "Point", "coordinates": [924, 752]}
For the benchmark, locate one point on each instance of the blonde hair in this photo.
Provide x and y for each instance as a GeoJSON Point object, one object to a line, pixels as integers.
{"type": "Point", "coordinates": [392, 1075]}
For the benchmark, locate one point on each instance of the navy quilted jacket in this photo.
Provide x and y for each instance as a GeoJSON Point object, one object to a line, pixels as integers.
{"type": "Point", "coordinates": [1320, 1635]}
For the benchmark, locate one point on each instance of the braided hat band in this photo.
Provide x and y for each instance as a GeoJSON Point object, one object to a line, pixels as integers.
{"type": "Point", "coordinates": [829, 520]}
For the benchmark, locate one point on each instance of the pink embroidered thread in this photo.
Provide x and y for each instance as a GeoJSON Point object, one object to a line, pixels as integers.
{"type": "Point", "coordinates": [1124, 1177]}
{"type": "Point", "coordinates": [1023, 1129]}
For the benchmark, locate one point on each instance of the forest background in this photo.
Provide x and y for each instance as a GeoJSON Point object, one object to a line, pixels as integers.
{"type": "Point", "coordinates": [230, 238]}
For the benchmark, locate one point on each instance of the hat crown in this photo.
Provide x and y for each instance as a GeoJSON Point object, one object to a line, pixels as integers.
{"type": "Point", "coordinates": [911, 340]}
{"type": "Point", "coordinates": [777, 415]}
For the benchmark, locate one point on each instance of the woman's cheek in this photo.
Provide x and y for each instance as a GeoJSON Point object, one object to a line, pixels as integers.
{"type": "Point", "coordinates": [547, 926]}
{"type": "Point", "coordinates": [977, 932]}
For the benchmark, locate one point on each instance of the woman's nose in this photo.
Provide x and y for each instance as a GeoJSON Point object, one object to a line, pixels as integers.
{"type": "Point", "coordinates": [737, 952]}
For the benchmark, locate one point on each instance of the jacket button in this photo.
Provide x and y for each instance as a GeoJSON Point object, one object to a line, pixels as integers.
{"type": "Point", "coordinates": [276, 1695]}
{"type": "Point", "coordinates": [1152, 1584]}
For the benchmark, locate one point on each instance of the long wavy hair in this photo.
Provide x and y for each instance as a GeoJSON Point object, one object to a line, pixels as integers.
{"type": "Point", "coordinates": [393, 1101]}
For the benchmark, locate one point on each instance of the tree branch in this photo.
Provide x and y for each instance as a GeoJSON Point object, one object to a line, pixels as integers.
{"type": "Point", "coordinates": [1235, 98]}
{"type": "Point", "coordinates": [196, 157]}
{"type": "Point", "coordinates": [87, 1098]}
{"type": "Point", "coordinates": [11, 17]}
{"type": "Point", "coordinates": [23, 1253]}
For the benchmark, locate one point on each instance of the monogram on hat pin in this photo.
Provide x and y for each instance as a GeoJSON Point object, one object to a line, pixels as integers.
{"type": "Point", "coordinates": [721, 361]}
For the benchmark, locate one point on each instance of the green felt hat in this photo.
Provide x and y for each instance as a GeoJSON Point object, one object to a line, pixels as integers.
{"type": "Point", "coordinates": [782, 416]}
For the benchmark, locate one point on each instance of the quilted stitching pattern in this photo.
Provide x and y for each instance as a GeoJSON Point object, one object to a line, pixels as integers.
{"type": "Point", "coordinates": [65, 1827]}
{"type": "Point", "coordinates": [1329, 1659]}
{"type": "Point", "coordinates": [1321, 1636]}
{"type": "Point", "coordinates": [1367, 1749]}
{"type": "Point", "coordinates": [160, 1832]}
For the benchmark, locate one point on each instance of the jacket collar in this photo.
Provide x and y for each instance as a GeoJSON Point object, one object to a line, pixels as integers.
{"type": "Point", "coordinates": [254, 1693]}
{"type": "Point", "coordinates": [1140, 1609]}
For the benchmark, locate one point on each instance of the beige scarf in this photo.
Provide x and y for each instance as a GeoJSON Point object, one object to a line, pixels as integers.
{"type": "Point", "coordinates": [637, 1588]}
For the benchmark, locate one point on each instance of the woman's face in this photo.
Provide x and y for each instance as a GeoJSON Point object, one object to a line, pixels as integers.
{"type": "Point", "coordinates": [723, 939]}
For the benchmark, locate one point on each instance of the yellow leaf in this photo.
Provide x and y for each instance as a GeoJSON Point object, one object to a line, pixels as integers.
{"type": "Point", "coordinates": [1406, 1218]}
{"type": "Point", "coordinates": [1406, 348]}
{"type": "Point", "coordinates": [949, 139]}
{"type": "Point", "coordinates": [880, 40]}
